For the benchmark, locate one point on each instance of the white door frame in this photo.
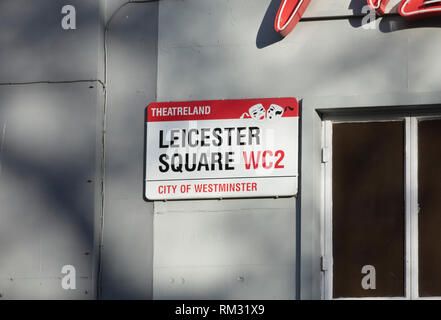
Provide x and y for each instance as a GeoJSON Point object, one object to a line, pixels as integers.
{"type": "Point", "coordinates": [411, 204]}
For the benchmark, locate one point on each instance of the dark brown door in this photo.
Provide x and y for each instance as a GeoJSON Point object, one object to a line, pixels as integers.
{"type": "Point", "coordinates": [368, 208]}
{"type": "Point", "coordinates": [429, 198]}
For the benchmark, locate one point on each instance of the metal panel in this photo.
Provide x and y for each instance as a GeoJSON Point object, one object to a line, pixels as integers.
{"type": "Point", "coordinates": [230, 249]}
{"type": "Point", "coordinates": [429, 218]}
{"type": "Point", "coordinates": [36, 48]}
{"type": "Point", "coordinates": [43, 289]}
{"type": "Point", "coordinates": [127, 240]}
{"type": "Point", "coordinates": [112, 7]}
{"type": "Point", "coordinates": [47, 188]}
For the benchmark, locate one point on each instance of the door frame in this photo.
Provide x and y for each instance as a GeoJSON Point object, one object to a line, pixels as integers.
{"type": "Point", "coordinates": [328, 208]}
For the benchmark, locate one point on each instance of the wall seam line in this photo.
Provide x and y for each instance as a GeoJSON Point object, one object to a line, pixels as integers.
{"type": "Point", "coordinates": [51, 82]}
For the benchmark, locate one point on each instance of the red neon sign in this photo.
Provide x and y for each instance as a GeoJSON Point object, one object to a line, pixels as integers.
{"type": "Point", "coordinates": [291, 11]}
{"type": "Point", "coordinates": [378, 5]}
{"type": "Point", "coordinates": [289, 14]}
{"type": "Point", "coordinates": [413, 9]}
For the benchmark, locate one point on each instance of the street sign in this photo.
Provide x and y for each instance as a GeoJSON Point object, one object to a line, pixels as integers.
{"type": "Point", "coordinates": [222, 149]}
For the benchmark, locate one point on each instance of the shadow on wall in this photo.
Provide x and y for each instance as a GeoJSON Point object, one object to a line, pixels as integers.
{"type": "Point", "coordinates": [266, 35]}
{"type": "Point", "coordinates": [356, 6]}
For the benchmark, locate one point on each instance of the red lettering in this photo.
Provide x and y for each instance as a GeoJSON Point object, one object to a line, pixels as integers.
{"type": "Point", "coordinates": [167, 189]}
{"type": "Point", "coordinates": [264, 164]}
{"type": "Point", "coordinates": [251, 158]}
{"type": "Point", "coordinates": [282, 155]}
{"type": "Point", "coordinates": [254, 160]}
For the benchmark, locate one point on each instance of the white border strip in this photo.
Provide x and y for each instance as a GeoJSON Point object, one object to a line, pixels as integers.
{"type": "Point", "coordinates": [408, 207]}
{"type": "Point", "coordinates": [328, 250]}
{"type": "Point", "coordinates": [413, 190]}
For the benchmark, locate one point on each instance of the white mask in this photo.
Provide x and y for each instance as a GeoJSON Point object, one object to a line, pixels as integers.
{"type": "Point", "coordinates": [257, 112]}
{"type": "Point", "coordinates": [274, 111]}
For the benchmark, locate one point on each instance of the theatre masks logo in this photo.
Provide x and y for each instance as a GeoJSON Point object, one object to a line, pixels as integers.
{"type": "Point", "coordinates": [258, 112]}
{"type": "Point", "coordinates": [291, 11]}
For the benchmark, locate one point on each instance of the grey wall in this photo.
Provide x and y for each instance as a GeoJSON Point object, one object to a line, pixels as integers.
{"type": "Point", "coordinates": [49, 146]}
{"type": "Point", "coordinates": [63, 199]}
{"type": "Point", "coordinates": [47, 189]}
{"type": "Point", "coordinates": [72, 139]}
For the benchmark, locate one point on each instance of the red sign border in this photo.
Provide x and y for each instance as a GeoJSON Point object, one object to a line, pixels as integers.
{"type": "Point", "coordinates": [235, 110]}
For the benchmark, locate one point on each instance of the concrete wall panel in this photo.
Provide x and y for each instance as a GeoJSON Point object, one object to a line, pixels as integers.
{"type": "Point", "coordinates": [47, 188]}
{"type": "Point", "coordinates": [36, 48]}
{"type": "Point", "coordinates": [424, 43]}
{"type": "Point", "coordinates": [242, 282]}
{"type": "Point", "coordinates": [377, 62]}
